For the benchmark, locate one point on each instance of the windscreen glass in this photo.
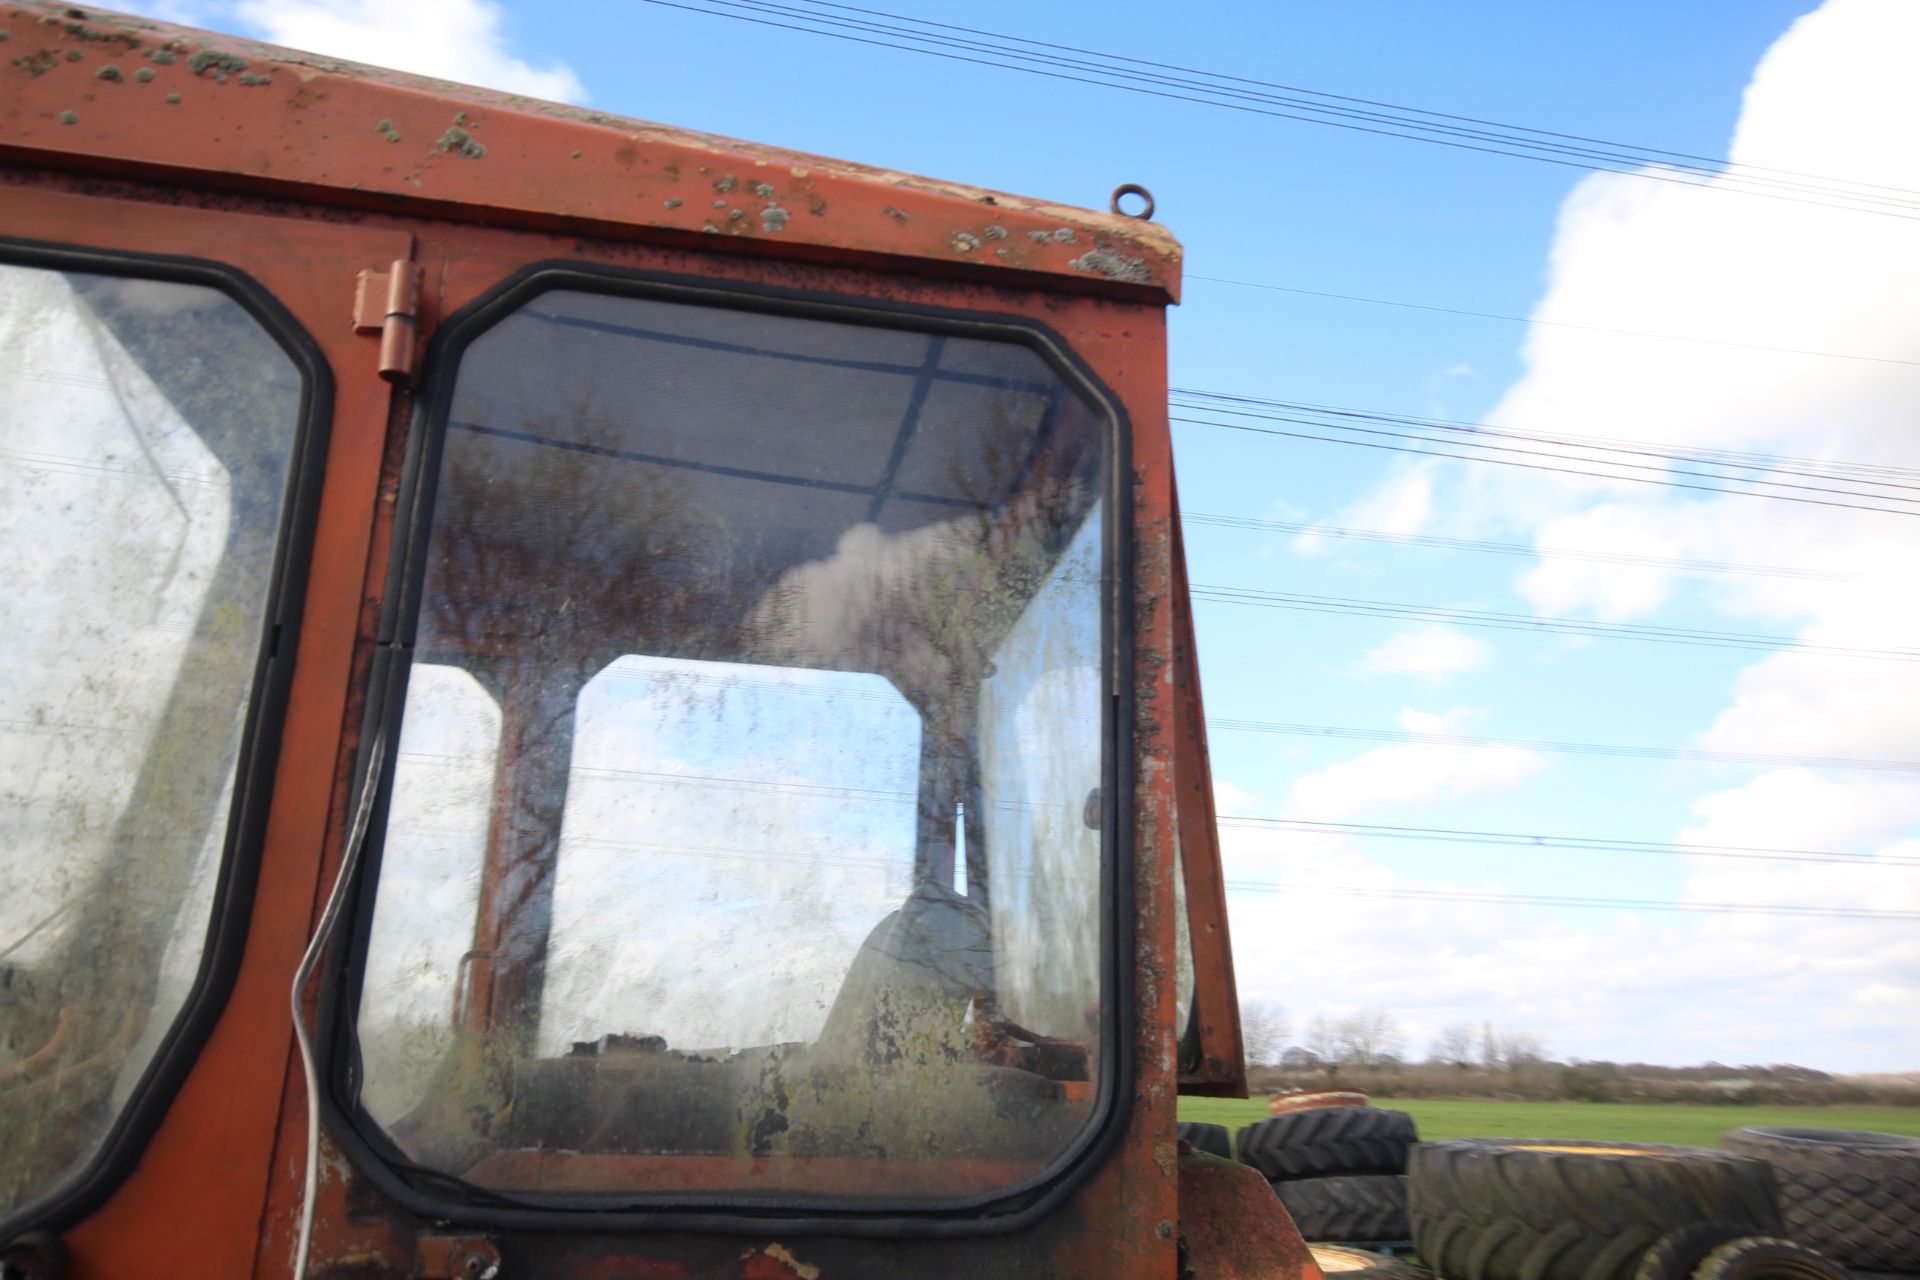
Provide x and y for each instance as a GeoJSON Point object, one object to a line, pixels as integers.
{"type": "Point", "coordinates": [752, 844]}
{"type": "Point", "coordinates": [147, 429]}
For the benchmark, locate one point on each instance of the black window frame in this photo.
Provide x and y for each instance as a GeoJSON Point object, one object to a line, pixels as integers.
{"type": "Point", "coordinates": [441, 1197]}
{"type": "Point", "coordinates": [225, 942]}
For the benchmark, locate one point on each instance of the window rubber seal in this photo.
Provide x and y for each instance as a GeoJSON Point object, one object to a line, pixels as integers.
{"type": "Point", "coordinates": [1000, 1211]}
{"type": "Point", "coordinates": [224, 947]}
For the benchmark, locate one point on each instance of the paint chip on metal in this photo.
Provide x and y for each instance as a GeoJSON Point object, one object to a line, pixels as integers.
{"type": "Point", "coordinates": [784, 1256]}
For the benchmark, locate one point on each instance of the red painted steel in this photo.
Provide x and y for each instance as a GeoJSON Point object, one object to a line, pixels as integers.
{"type": "Point", "coordinates": [245, 116]}
{"type": "Point", "coordinates": [303, 173]}
{"type": "Point", "coordinates": [1221, 1071]}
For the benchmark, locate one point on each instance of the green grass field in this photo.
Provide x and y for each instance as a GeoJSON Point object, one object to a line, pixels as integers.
{"type": "Point", "coordinates": [1616, 1122]}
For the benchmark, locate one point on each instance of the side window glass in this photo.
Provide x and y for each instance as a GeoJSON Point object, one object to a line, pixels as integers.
{"type": "Point", "coordinates": [788, 886]}
{"type": "Point", "coordinates": [1040, 715]}
{"type": "Point", "coordinates": [420, 964]}
{"type": "Point", "coordinates": [147, 431]}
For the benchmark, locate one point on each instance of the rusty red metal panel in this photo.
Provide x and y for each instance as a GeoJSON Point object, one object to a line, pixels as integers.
{"type": "Point", "coordinates": [1222, 1069]}
{"type": "Point", "coordinates": [192, 1207]}
{"type": "Point", "coordinates": [131, 95]}
{"type": "Point", "coordinates": [219, 1190]}
{"type": "Point", "coordinates": [1233, 1225]}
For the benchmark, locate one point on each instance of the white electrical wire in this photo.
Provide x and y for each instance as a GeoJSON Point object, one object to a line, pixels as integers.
{"type": "Point", "coordinates": [349, 858]}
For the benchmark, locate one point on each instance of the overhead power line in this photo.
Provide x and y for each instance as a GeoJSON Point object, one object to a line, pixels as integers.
{"type": "Point", "coordinates": [1404, 434]}
{"type": "Point", "coordinates": [1585, 844]}
{"type": "Point", "coordinates": [1523, 549]}
{"type": "Point", "coordinates": [1618, 750]}
{"type": "Point", "coordinates": [1554, 324]}
{"type": "Point", "coordinates": [1555, 900]}
{"type": "Point", "coordinates": [1877, 474]}
{"type": "Point", "coordinates": [971, 45]}
{"type": "Point", "coordinates": [1894, 490]}
{"type": "Point", "coordinates": [1356, 607]}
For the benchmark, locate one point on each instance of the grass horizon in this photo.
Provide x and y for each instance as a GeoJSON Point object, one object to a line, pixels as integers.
{"type": "Point", "coordinates": [1682, 1124]}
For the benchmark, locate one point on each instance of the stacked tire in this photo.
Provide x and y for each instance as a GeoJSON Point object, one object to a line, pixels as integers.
{"type": "Point", "coordinates": [1338, 1170]}
{"type": "Point", "coordinates": [1517, 1209]}
{"type": "Point", "coordinates": [1852, 1197]}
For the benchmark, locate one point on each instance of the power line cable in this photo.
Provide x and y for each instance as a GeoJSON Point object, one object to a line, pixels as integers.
{"type": "Point", "coordinates": [1545, 900]}
{"type": "Point", "coordinates": [1552, 324]}
{"type": "Point", "coordinates": [1498, 620]}
{"type": "Point", "coordinates": [1535, 466]}
{"type": "Point", "coordinates": [1839, 193]}
{"type": "Point", "coordinates": [1651, 151]}
{"type": "Point", "coordinates": [1464, 435]}
{"type": "Point", "coordinates": [1523, 549]}
{"type": "Point", "coordinates": [1619, 750]}
{"type": "Point", "coordinates": [1584, 844]}
{"type": "Point", "coordinates": [1865, 473]}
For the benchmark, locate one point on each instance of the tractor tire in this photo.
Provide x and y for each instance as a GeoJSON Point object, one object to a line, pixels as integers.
{"type": "Point", "coordinates": [1677, 1254]}
{"type": "Point", "coordinates": [1210, 1138]}
{"type": "Point", "coordinates": [1854, 1197]}
{"type": "Point", "coordinates": [1357, 1264]}
{"type": "Point", "coordinates": [1308, 1144]}
{"type": "Point", "coordinates": [1533, 1209]}
{"type": "Point", "coordinates": [1365, 1209]}
{"type": "Point", "coordinates": [1766, 1258]}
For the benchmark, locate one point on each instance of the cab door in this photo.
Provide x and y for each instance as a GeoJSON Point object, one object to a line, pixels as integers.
{"type": "Point", "coordinates": [191, 442]}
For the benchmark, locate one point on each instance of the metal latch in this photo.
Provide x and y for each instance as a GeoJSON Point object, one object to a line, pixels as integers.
{"type": "Point", "coordinates": [438, 1257]}
{"type": "Point", "coordinates": [388, 303]}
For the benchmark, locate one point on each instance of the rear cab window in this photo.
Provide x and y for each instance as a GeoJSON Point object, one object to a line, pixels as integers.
{"type": "Point", "coordinates": [771, 862]}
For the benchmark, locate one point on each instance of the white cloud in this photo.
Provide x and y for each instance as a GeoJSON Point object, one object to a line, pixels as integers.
{"type": "Point", "coordinates": [1432, 652]}
{"type": "Point", "coordinates": [1413, 774]}
{"type": "Point", "coordinates": [1403, 504]}
{"type": "Point", "coordinates": [1842, 992]}
{"type": "Point", "coordinates": [458, 40]}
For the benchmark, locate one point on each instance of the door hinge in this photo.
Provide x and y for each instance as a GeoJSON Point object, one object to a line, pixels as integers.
{"type": "Point", "coordinates": [388, 303]}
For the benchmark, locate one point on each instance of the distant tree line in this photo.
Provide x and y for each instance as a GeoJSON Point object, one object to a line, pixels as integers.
{"type": "Point", "coordinates": [1367, 1050]}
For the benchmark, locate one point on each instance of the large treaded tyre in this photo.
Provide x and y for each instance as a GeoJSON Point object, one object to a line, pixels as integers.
{"type": "Point", "coordinates": [1854, 1197]}
{"type": "Point", "coordinates": [1358, 1264]}
{"type": "Point", "coordinates": [1306, 1144]}
{"type": "Point", "coordinates": [1514, 1209]}
{"type": "Point", "coordinates": [1366, 1208]}
{"type": "Point", "coordinates": [1679, 1253]}
{"type": "Point", "coordinates": [1766, 1258]}
{"type": "Point", "coordinates": [1210, 1138]}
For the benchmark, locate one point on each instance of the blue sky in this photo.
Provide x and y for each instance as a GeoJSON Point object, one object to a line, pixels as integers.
{"type": "Point", "coordinates": [1278, 203]}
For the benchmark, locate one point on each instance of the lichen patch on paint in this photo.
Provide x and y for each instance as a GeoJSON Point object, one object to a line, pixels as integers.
{"type": "Point", "coordinates": [1114, 265]}
{"type": "Point", "coordinates": [457, 141]}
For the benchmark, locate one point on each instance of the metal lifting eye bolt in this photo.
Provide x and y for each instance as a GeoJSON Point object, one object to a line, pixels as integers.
{"type": "Point", "coordinates": [1132, 189]}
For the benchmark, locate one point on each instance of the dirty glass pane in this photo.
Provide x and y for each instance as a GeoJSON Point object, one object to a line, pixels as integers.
{"type": "Point", "coordinates": [664, 806]}
{"type": "Point", "coordinates": [783, 616]}
{"type": "Point", "coordinates": [146, 431]}
{"type": "Point", "coordinates": [436, 841]}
